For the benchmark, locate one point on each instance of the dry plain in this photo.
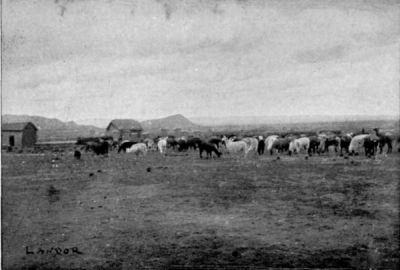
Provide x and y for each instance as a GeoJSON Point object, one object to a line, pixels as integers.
{"type": "Point", "coordinates": [180, 211]}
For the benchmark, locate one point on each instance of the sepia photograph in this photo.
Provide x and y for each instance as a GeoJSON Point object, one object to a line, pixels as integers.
{"type": "Point", "coordinates": [200, 134]}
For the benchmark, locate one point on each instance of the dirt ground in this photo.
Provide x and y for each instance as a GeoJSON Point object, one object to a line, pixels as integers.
{"type": "Point", "coordinates": [181, 212]}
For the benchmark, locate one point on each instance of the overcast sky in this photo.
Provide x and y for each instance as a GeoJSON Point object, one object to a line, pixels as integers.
{"type": "Point", "coordinates": [145, 59]}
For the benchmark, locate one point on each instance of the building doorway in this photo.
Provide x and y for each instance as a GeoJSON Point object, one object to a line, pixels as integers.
{"type": "Point", "coordinates": [11, 141]}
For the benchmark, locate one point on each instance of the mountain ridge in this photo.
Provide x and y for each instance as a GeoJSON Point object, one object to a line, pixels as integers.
{"type": "Point", "coordinates": [53, 128]}
{"type": "Point", "coordinates": [170, 122]}
{"type": "Point", "coordinates": [266, 120]}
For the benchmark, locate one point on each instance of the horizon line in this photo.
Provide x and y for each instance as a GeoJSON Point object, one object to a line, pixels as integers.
{"type": "Point", "coordinates": [221, 118]}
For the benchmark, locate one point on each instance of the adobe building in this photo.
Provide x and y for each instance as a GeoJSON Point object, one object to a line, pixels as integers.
{"type": "Point", "coordinates": [124, 129]}
{"type": "Point", "coordinates": [19, 135]}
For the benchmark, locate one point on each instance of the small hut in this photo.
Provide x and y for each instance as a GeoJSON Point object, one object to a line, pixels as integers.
{"type": "Point", "coordinates": [124, 129]}
{"type": "Point", "coordinates": [19, 135]}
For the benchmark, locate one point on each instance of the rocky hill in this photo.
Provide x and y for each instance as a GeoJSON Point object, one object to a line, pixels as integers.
{"type": "Point", "coordinates": [170, 122]}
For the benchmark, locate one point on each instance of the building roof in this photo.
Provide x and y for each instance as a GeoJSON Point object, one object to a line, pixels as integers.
{"type": "Point", "coordinates": [18, 126]}
{"type": "Point", "coordinates": [125, 124]}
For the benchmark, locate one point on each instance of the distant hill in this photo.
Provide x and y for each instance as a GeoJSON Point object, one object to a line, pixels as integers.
{"type": "Point", "coordinates": [170, 122]}
{"type": "Point", "coordinates": [268, 120]}
{"type": "Point", "coordinates": [97, 122]}
{"type": "Point", "coordinates": [52, 129]}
